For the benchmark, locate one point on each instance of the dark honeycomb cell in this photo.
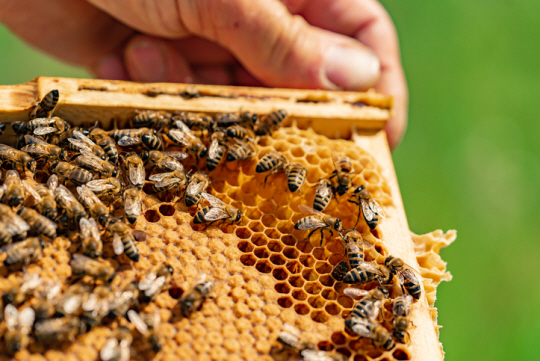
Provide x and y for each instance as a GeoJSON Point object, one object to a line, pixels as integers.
{"type": "Point", "coordinates": [316, 301]}
{"type": "Point", "coordinates": [288, 240]}
{"type": "Point", "coordinates": [148, 188]}
{"type": "Point", "coordinates": [282, 287]}
{"type": "Point", "coordinates": [296, 281]}
{"type": "Point", "coordinates": [245, 246]}
{"type": "Point", "coordinates": [277, 259]}
{"type": "Point", "coordinates": [280, 274]}
{"type": "Point", "coordinates": [319, 253]}
{"type": "Point", "coordinates": [243, 232]}
{"type": "Point", "coordinates": [310, 274]}
{"type": "Point", "coordinates": [401, 354]}
{"type": "Point", "coordinates": [326, 280]}
{"type": "Point", "coordinates": [345, 314]}
{"type": "Point", "coordinates": [263, 266]}
{"type": "Point", "coordinates": [333, 308]}
{"type": "Point", "coordinates": [166, 197]}
{"type": "Point", "coordinates": [374, 353]}
{"type": "Point", "coordinates": [339, 338]}
{"type": "Point", "coordinates": [329, 294]}
{"type": "Point", "coordinates": [152, 215]}
{"type": "Point", "coordinates": [272, 233]}
{"type": "Point", "coordinates": [176, 292]}
{"type": "Point", "coordinates": [41, 177]}
{"type": "Point", "coordinates": [325, 346]}
{"type": "Point", "coordinates": [291, 252]}
{"type": "Point", "coordinates": [259, 239]}
{"type": "Point", "coordinates": [256, 226]}
{"type": "Point", "coordinates": [293, 267]}
{"type": "Point", "coordinates": [253, 213]}
{"type": "Point", "coordinates": [285, 302]}
{"type": "Point", "coordinates": [304, 246]}
{"type": "Point", "coordinates": [307, 260]}
{"type": "Point", "coordinates": [319, 316]}
{"type": "Point", "coordinates": [167, 210]}
{"type": "Point", "coordinates": [301, 308]}
{"type": "Point", "coordinates": [275, 246]}
{"type": "Point", "coordinates": [345, 301]}
{"type": "Point", "coordinates": [360, 358]}
{"type": "Point", "coordinates": [261, 252]}
{"type": "Point", "coordinates": [299, 294]}
{"type": "Point", "coordinates": [313, 288]}
{"type": "Point", "coordinates": [323, 267]}
{"type": "Point", "coordinates": [344, 351]}
{"type": "Point", "coordinates": [248, 259]}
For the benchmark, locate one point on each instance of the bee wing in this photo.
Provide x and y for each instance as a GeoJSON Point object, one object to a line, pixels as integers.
{"type": "Point", "coordinates": [52, 182]}
{"type": "Point", "coordinates": [147, 281]}
{"type": "Point", "coordinates": [368, 213]}
{"type": "Point", "coordinates": [375, 207]}
{"type": "Point", "coordinates": [117, 244]}
{"type": "Point", "coordinates": [313, 224]}
{"type": "Point", "coordinates": [176, 155]}
{"type": "Point", "coordinates": [214, 149]}
{"type": "Point", "coordinates": [90, 160]}
{"type": "Point", "coordinates": [99, 185]}
{"type": "Point", "coordinates": [355, 293]}
{"type": "Point", "coordinates": [324, 190]}
{"type": "Point", "coordinates": [196, 186]}
{"type": "Point", "coordinates": [167, 181]}
{"type": "Point", "coordinates": [72, 304]}
{"type": "Point", "coordinates": [109, 351]}
{"type": "Point", "coordinates": [90, 303]}
{"type": "Point", "coordinates": [31, 150]}
{"type": "Point", "coordinates": [214, 202]}
{"type": "Point", "coordinates": [155, 286]}
{"type": "Point", "coordinates": [17, 224]}
{"type": "Point", "coordinates": [125, 353]}
{"type": "Point", "coordinates": [83, 138]}
{"type": "Point", "coordinates": [361, 329]}
{"type": "Point", "coordinates": [84, 224]}
{"type": "Point", "coordinates": [308, 210]}
{"type": "Point", "coordinates": [53, 291]}
{"type": "Point", "coordinates": [159, 177]}
{"type": "Point", "coordinates": [31, 281]}
{"type": "Point", "coordinates": [79, 144]}
{"type": "Point", "coordinates": [34, 140]}
{"type": "Point", "coordinates": [139, 324]}
{"type": "Point", "coordinates": [184, 128]}
{"type": "Point", "coordinates": [65, 195]}
{"type": "Point", "coordinates": [44, 130]}
{"type": "Point", "coordinates": [88, 196]}
{"type": "Point", "coordinates": [374, 314]}
{"type": "Point", "coordinates": [315, 355]}
{"type": "Point", "coordinates": [11, 315]}
{"type": "Point", "coordinates": [133, 206]}
{"type": "Point", "coordinates": [136, 174]}
{"type": "Point", "coordinates": [127, 141]}
{"type": "Point", "coordinates": [78, 261]}
{"type": "Point", "coordinates": [180, 137]}
{"type": "Point", "coordinates": [31, 190]}
{"type": "Point", "coordinates": [173, 165]}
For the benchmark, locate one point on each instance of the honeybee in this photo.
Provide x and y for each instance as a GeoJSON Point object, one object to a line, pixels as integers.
{"type": "Point", "coordinates": [153, 282]}
{"type": "Point", "coordinates": [198, 183]}
{"type": "Point", "coordinates": [105, 187]}
{"type": "Point", "coordinates": [240, 151]}
{"type": "Point", "coordinates": [45, 126]}
{"type": "Point", "coordinates": [123, 240]}
{"type": "Point", "coordinates": [291, 345]}
{"type": "Point", "coordinates": [168, 181]}
{"type": "Point", "coordinates": [123, 299]}
{"type": "Point", "coordinates": [272, 161]}
{"type": "Point", "coordinates": [40, 148]}
{"type": "Point", "coordinates": [166, 161]}
{"type": "Point", "coordinates": [95, 207]}
{"type": "Point", "coordinates": [63, 138]}
{"type": "Point", "coordinates": [317, 221]}
{"type": "Point", "coordinates": [85, 266]}
{"type": "Point", "coordinates": [371, 210]}
{"type": "Point", "coordinates": [74, 211]}
{"type": "Point", "coordinates": [90, 238]}
{"type": "Point", "coordinates": [218, 147]}
{"type": "Point", "coordinates": [132, 204]}
{"type": "Point", "coordinates": [58, 330]}
{"type": "Point", "coordinates": [70, 304]}
{"type": "Point", "coordinates": [128, 137]}
{"type": "Point", "coordinates": [343, 173]}
{"type": "Point", "coordinates": [151, 118]}
{"type": "Point", "coordinates": [45, 107]}
{"type": "Point", "coordinates": [118, 347]}
{"type": "Point", "coordinates": [401, 310]}
{"type": "Point", "coordinates": [370, 306]}
{"type": "Point", "coordinates": [20, 288]}
{"type": "Point", "coordinates": [270, 122]}
{"type": "Point", "coordinates": [296, 176]}
{"type": "Point", "coordinates": [75, 174]}
{"type": "Point", "coordinates": [370, 329]}
{"type": "Point", "coordinates": [340, 271]}
{"type": "Point", "coordinates": [14, 191]}
{"type": "Point", "coordinates": [19, 325]}
{"type": "Point", "coordinates": [323, 195]}
{"type": "Point", "coordinates": [102, 139]}
{"type": "Point", "coordinates": [192, 300]}
{"type": "Point", "coordinates": [81, 143]}
{"type": "Point", "coordinates": [406, 276]}
{"type": "Point", "coordinates": [44, 196]}
{"type": "Point", "coordinates": [319, 355]}
{"type": "Point", "coordinates": [96, 306]}
{"type": "Point", "coordinates": [19, 159]}
{"type": "Point", "coordinates": [47, 298]}
{"type": "Point", "coordinates": [147, 325]}
{"type": "Point", "coordinates": [365, 272]}
{"type": "Point", "coordinates": [38, 223]}
{"type": "Point", "coordinates": [355, 244]}
{"type": "Point", "coordinates": [94, 164]}
{"type": "Point", "coordinates": [226, 119]}
{"type": "Point", "coordinates": [239, 132]}
{"type": "Point", "coordinates": [217, 210]}
{"type": "Point", "coordinates": [184, 137]}
{"type": "Point", "coordinates": [13, 226]}
{"type": "Point", "coordinates": [3, 127]}
{"type": "Point", "coordinates": [200, 121]}
{"type": "Point", "coordinates": [135, 170]}
{"type": "Point", "coordinates": [152, 141]}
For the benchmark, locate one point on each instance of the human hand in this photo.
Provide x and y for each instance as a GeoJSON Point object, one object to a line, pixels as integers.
{"type": "Point", "coordinates": [321, 44]}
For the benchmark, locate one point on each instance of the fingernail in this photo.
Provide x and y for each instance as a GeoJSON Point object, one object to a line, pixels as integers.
{"type": "Point", "coordinates": [147, 62]}
{"type": "Point", "coordinates": [351, 67]}
{"type": "Point", "coordinates": [111, 67]}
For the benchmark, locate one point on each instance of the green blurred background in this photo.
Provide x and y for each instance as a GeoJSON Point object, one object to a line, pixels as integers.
{"type": "Point", "coordinates": [470, 160]}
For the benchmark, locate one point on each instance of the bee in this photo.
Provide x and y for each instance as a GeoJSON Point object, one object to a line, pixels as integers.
{"type": "Point", "coordinates": [226, 119]}
{"type": "Point", "coordinates": [401, 310]}
{"type": "Point", "coordinates": [266, 124]}
{"type": "Point", "coordinates": [168, 181]}
{"type": "Point", "coordinates": [343, 174]}
{"type": "Point", "coordinates": [319, 355]}
{"type": "Point", "coordinates": [45, 126]}
{"type": "Point", "coordinates": [291, 344]}
{"type": "Point", "coordinates": [96, 306]}
{"type": "Point", "coordinates": [13, 227]}
{"type": "Point", "coordinates": [217, 210]}
{"type": "Point", "coordinates": [151, 118]}
{"type": "Point", "coordinates": [38, 222]}
{"type": "Point", "coordinates": [296, 176]}
{"type": "Point", "coordinates": [40, 148]}
{"type": "Point", "coordinates": [123, 240]}
{"type": "Point", "coordinates": [46, 106]}
{"type": "Point", "coordinates": [19, 325]}
{"type": "Point", "coordinates": [317, 221]}
{"type": "Point", "coordinates": [118, 347]}
{"type": "Point", "coordinates": [368, 307]}
{"type": "Point", "coordinates": [3, 127]}
{"type": "Point", "coordinates": [90, 238]}
{"type": "Point", "coordinates": [44, 196]}
{"type": "Point", "coordinates": [406, 276]}
{"type": "Point", "coordinates": [370, 329]}
{"type": "Point", "coordinates": [102, 139]}
{"type": "Point", "coordinates": [152, 141]}
{"type": "Point", "coordinates": [124, 299]}
{"type": "Point", "coordinates": [365, 272]}
{"type": "Point", "coordinates": [20, 288]}
{"type": "Point", "coordinates": [323, 195]}
{"type": "Point", "coordinates": [47, 298]}
{"type": "Point", "coordinates": [81, 143]}
{"type": "Point", "coordinates": [147, 325]}
{"type": "Point", "coordinates": [240, 151]}
{"type": "Point", "coordinates": [239, 132]}
{"type": "Point", "coordinates": [166, 161]}
{"type": "Point", "coordinates": [355, 244]}
{"type": "Point", "coordinates": [105, 187]}
{"type": "Point", "coordinates": [340, 271]}
{"type": "Point", "coordinates": [153, 282]}
{"type": "Point", "coordinates": [70, 304]}
{"type": "Point", "coordinates": [132, 204]}
{"type": "Point", "coordinates": [63, 138]}
{"type": "Point", "coordinates": [96, 208]}
{"type": "Point", "coordinates": [75, 174]}
{"type": "Point", "coordinates": [74, 211]}
{"type": "Point", "coordinates": [192, 300]}
{"type": "Point", "coordinates": [198, 121]}
{"type": "Point", "coordinates": [135, 170]}
{"type": "Point", "coordinates": [371, 210]}
{"type": "Point", "coordinates": [218, 147]}
{"type": "Point", "coordinates": [14, 190]}
{"type": "Point", "coordinates": [58, 330]}
{"type": "Point", "coordinates": [94, 164]}
{"type": "Point", "coordinates": [184, 137]}
{"type": "Point", "coordinates": [85, 266]}
{"type": "Point", "coordinates": [272, 161]}
{"type": "Point", "coordinates": [198, 183]}
{"type": "Point", "coordinates": [19, 159]}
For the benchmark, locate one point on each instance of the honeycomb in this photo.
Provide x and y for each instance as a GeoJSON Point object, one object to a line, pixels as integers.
{"type": "Point", "coordinates": [266, 273]}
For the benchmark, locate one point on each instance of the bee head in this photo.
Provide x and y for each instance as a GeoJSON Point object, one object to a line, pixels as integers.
{"type": "Point", "coordinates": [203, 151]}
{"type": "Point", "coordinates": [115, 172]}
{"type": "Point", "coordinates": [19, 128]}
{"type": "Point", "coordinates": [238, 216]}
{"type": "Point", "coordinates": [359, 189]}
{"type": "Point", "coordinates": [380, 293]}
{"type": "Point", "coordinates": [41, 243]}
{"type": "Point", "coordinates": [104, 220]}
{"type": "Point", "coordinates": [111, 278]}
{"type": "Point", "coordinates": [31, 165]}
{"type": "Point", "coordinates": [63, 156]}
{"type": "Point", "coordinates": [337, 226]}
{"type": "Point", "coordinates": [54, 165]}
{"type": "Point", "coordinates": [145, 154]}
{"type": "Point", "coordinates": [169, 268]}
{"type": "Point", "coordinates": [2, 127]}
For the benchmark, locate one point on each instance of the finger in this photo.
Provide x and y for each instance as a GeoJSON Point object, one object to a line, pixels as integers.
{"type": "Point", "coordinates": [277, 48]}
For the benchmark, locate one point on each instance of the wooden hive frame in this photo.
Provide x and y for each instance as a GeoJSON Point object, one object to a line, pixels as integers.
{"type": "Point", "coordinates": [360, 117]}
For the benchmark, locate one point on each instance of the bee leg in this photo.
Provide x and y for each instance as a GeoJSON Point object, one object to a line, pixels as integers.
{"type": "Point", "coordinates": [322, 237]}
{"type": "Point", "coordinates": [310, 233]}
